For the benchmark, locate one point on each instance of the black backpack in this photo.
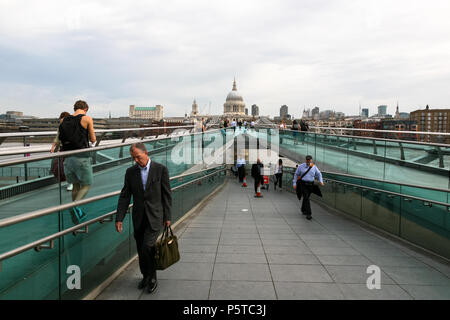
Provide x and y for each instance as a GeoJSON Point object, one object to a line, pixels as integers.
{"type": "Point", "coordinates": [72, 134]}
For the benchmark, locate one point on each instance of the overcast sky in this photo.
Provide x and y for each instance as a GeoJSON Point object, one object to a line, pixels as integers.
{"type": "Point", "coordinates": [335, 54]}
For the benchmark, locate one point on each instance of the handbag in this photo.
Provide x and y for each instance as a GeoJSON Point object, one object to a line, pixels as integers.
{"type": "Point", "coordinates": [57, 168]}
{"type": "Point", "coordinates": [316, 190]}
{"type": "Point", "coordinates": [166, 250]}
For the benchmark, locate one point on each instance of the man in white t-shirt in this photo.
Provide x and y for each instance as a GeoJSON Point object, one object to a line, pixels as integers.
{"type": "Point", "coordinates": [197, 125]}
{"type": "Point", "coordinates": [233, 124]}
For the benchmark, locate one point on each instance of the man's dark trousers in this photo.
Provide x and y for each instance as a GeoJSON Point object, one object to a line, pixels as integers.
{"type": "Point", "coordinates": [145, 243]}
{"type": "Point", "coordinates": [279, 180]}
{"type": "Point", "coordinates": [241, 172]}
{"type": "Point", "coordinates": [306, 189]}
{"type": "Point", "coordinates": [258, 180]}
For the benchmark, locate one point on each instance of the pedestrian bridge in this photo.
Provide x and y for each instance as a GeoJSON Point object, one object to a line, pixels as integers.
{"type": "Point", "coordinates": [385, 204]}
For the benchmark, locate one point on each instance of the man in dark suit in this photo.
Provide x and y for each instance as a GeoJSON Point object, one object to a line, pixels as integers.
{"type": "Point", "coordinates": [257, 174]}
{"type": "Point", "coordinates": [148, 183]}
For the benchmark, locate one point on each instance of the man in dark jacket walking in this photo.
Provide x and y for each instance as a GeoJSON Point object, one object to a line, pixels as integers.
{"type": "Point", "coordinates": [257, 173]}
{"type": "Point", "coordinates": [148, 183]}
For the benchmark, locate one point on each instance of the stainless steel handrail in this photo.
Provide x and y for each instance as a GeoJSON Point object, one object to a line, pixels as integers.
{"type": "Point", "coordinates": [379, 180]}
{"type": "Point", "coordinates": [36, 244]}
{"type": "Point", "coordinates": [25, 150]}
{"type": "Point", "coordinates": [197, 179]}
{"type": "Point", "coordinates": [380, 139]}
{"type": "Point", "coordinates": [385, 131]}
{"type": "Point", "coordinates": [53, 133]}
{"type": "Point", "coordinates": [369, 138]}
{"type": "Point", "coordinates": [195, 172]}
{"type": "Point", "coordinates": [391, 193]}
{"type": "Point", "coordinates": [374, 130]}
{"type": "Point", "coordinates": [384, 181]}
{"type": "Point", "coordinates": [93, 149]}
{"type": "Point", "coordinates": [42, 212]}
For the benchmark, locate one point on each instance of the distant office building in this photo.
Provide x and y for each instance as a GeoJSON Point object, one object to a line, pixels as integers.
{"type": "Point", "coordinates": [382, 110]}
{"type": "Point", "coordinates": [315, 113]}
{"type": "Point", "coordinates": [283, 111]}
{"type": "Point", "coordinates": [15, 116]}
{"type": "Point", "coordinates": [246, 111]}
{"type": "Point", "coordinates": [155, 113]}
{"type": "Point", "coordinates": [404, 115]}
{"type": "Point", "coordinates": [365, 113]}
{"type": "Point", "coordinates": [286, 117]}
{"type": "Point", "coordinates": [432, 120]}
{"type": "Point", "coordinates": [326, 114]}
{"type": "Point", "coordinates": [15, 113]}
{"type": "Point", "coordinates": [382, 113]}
{"type": "Point", "coordinates": [255, 110]}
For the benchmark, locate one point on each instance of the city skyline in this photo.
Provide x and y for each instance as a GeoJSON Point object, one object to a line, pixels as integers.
{"type": "Point", "coordinates": [331, 54]}
{"type": "Point", "coordinates": [297, 112]}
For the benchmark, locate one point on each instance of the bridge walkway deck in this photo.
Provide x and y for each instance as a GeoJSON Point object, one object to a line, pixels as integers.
{"type": "Point", "coordinates": [239, 247]}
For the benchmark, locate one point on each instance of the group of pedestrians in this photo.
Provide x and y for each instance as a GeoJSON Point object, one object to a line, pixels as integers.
{"type": "Point", "coordinates": [303, 182]}
{"type": "Point", "coordinates": [237, 123]}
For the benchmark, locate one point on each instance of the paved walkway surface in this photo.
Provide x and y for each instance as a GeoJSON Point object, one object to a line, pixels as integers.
{"type": "Point", "coordinates": [241, 247]}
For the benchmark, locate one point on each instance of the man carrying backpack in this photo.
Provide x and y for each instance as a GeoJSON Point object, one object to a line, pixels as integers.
{"type": "Point", "coordinates": [75, 132]}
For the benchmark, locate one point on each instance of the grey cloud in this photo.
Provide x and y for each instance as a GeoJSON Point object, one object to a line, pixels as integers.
{"type": "Point", "coordinates": [327, 53]}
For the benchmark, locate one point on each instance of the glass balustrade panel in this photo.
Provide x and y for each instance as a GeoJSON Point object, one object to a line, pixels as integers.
{"type": "Point", "coordinates": [426, 225]}
{"type": "Point", "coordinates": [96, 255]}
{"type": "Point", "coordinates": [30, 186]}
{"type": "Point", "coordinates": [381, 210]}
{"type": "Point", "coordinates": [30, 274]}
